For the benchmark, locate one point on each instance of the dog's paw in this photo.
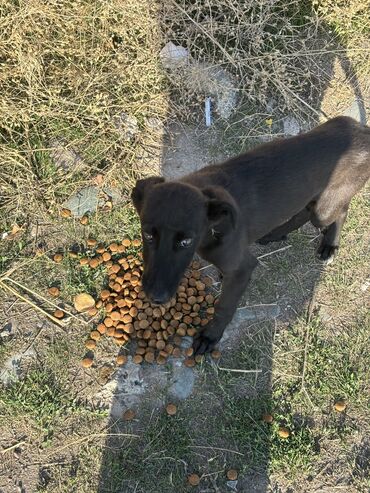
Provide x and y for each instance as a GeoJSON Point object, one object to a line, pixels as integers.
{"type": "Point", "coordinates": [206, 340]}
{"type": "Point", "coordinates": [265, 240]}
{"type": "Point", "coordinates": [327, 252]}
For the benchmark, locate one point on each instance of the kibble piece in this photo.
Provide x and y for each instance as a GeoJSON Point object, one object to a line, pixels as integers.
{"type": "Point", "coordinates": [126, 242]}
{"type": "Point", "coordinates": [193, 479]}
{"type": "Point", "coordinates": [100, 249]}
{"type": "Point", "coordinates": [113, 247]}
{"type": "Point", "coordinates": [340, 406]}
{"type": "Point", "coordinates": [58, 257]}
{"type": "Point", "coordinates": [87, 362]}
{"type": "Point", "coordinates": [95, 334]}
{"type": "Point", "coordinates": [161, 360]}
{"type": "Point", "coordinates": [84, 220]}
{"type": "Point", "coordinates": [90, 344]}
{"type": "Point", "coordinates": [106, 256]}
{"type": "Point", "coordinates": [137, 359]}
{"type": "Point", "coordinates": [136, 243]}
{"type": "Point", "coordinates": [267, 418]}
{"type": "Point", "coordinates": [104, 294]}
{"type": "Point", "coordinates": [127, 319]}
{"type": "Point", "coordinates": [94, 263]}
{"type": "Point", "coordinates": [121, 359]}
{"type": "Point", "coordinates": [84, 261]}
{"type": "Point", "coordinates": [191, 332]}
{"type": "Point", "coordinates": [189, 351]}
{"type": "Point", "coordinates": [140, 350]}
{"type": "Point", "coordinates": [54, 291]}
{"type": "Point", "coordinates": [181, 332]}
{"type": "Point", "coordinates": [128, 415]}
{"type": "Point", "coordinates": [232, 474]}
{"type": "Point", "coordinates": [171, 409]}
{"type": "Point", "coordinates": [115, 315]}
{"type": "Point", "coordinates": [143, 324]}
{"type": "Point", "coordinates": [147, 333]}
{"type": "Point", "coordinates": [149, 357]}
{"type": "Point", "coordinates": [161, 345]}
{"type": "Point", "coordinates": [83, 302]}
{"type": "Point", "coordinates": [58, 314]}
{"type": "Point", "coordinates": [66, 212]}
{"type": "Point", "coordinates": [101, 328]}
{"type": "Point", "coordinates": [283, 432]}
{"type": "Point", "coordinates": [190, 362]}
{"type": "Point", "coordinates": [216, 354]}
{"type": "Point", "coordinates": [111, 331]}
{"type": "Point", "coordinates": [176, 353]}
{"type": "Point", "coordinates": [91, 242]}
{"type": "Point", "coordinates": [108, 322]}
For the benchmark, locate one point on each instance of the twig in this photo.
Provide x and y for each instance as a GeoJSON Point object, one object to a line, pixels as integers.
{"type": "Point", "coordinates": [275, 251]}
{"type": "Point", "coordinates": [5, 450]}
{"type": "Point", "coordinates": [90, 437]}
{"type": "Point", "coordinates": [45, 313]}
{"type": "Point", "coordinates": [239, 370]}
{"type": "Point", "coordinates": [217, 448]}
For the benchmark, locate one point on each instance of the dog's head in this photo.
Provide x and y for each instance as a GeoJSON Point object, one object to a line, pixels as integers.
{"type": "Point", "coordinates": [175, 217]}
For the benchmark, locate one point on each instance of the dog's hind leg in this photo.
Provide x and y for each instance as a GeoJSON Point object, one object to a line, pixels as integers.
{"type": "Point", "coordinates": [280, 233]}
{"type": "Point", "coordinates": [330, 241]}
{"type": "Point", "coordinates": [233, 286]}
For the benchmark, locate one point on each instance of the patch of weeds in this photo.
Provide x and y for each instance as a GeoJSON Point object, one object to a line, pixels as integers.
{"type": "Point", "coordinates": [156, 462]}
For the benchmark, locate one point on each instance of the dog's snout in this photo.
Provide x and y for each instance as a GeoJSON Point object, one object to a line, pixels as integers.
{"type": "Point", "coordinates": [159, 299]}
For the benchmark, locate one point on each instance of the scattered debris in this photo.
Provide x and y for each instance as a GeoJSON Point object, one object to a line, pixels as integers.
{"type": "Point", "coordinates": [173, 56]}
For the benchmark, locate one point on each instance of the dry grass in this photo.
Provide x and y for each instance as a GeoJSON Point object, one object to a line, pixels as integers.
{"type": "Point", "coordinates": [68, 70]}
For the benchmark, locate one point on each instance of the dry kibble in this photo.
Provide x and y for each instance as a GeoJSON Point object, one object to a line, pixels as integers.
{"type": "Point", "coordinates": [216, 354]}
{"type": "Point", "coordinates": [90, 344]}
{"type": "Point", "coordinates": [137, 359]}
{"type": "Point", "coordinates": [121, 359]}
{"type": "Point", "coordinates": [181, 332]}
{"type": "Point", "coordinates": [161, 360]}
{"type": "Point", "coordinates": [84, 220]}
{"type": "Point", "coordinates": [94, 263]}
{"type": "Point", "coordinates": [106, 256]}
{"type": "Point", "coordinates": [147, 333]}
{"type": "Point", "coordinates": [143, 324]}
{"type": "Point", "coordinates": [190, 362]}
{"type": "Point", "coordinates": [58, 257]}
{"type": "Point", "coordinates": [104, 294]}
{"type": "Point", "coordinates": [53, 291]}
{"type": "Point", "coordinates": [193, 479]}
{"type": "Point", "coordinates": [149, 357]}
{"type": "Point", "coordinates": [128, 415]}
{"type": "Point", "coordinates": [176, 353]}
{"type": "Point", "coordinates": [91, 242]}
{"type": "Point", "coordinates": [87, 362]}
{"type": "Point", "coordinates": [84, 261]}
{"type": "Point", "coordinates": [232, 474]}
{"type": "Point", "coordinates": [83, 302]}
{"type": "Point", "coordinates": [126, 242]}
{"type": "Point", "coordinates": [65, 213]}
{"type": "Point", "coordinates": [101, 328]}
{"type": "Point", "coordinates": [189, 351]}
{"type": "Point", "coordinates": [171, 409]}
{"type": "Point", "coordinates": [136, 243]}
{"type": "Point", "coordinates": [127, 319]}
{"type": "Point", "coordinates": [108, 322]}
{"type": "Point", "coordinates": [58, 314]}
{"type": "Point", "coordinates": [267, 418]}
{"type": "Point", "coordinates": [115, 315]}
{"type": "Point", "coordinates": [283, 432]}
{"type": "Point", "coordinates": [113, 247]}
{"type": "Point", "coordinates": [141, 351]}
{"type": "Point", "coordinates": [340, 406]}
{"type": "Point", "coordinates": [111, 331]}
{"type": "Point", "coordinates": [95, 334]}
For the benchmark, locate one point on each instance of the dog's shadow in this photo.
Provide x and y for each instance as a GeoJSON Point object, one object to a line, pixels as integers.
{"type": "Point", "coordinates": [202, 437]}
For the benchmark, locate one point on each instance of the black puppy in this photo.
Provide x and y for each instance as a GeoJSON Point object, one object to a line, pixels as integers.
{"type": "Point", "coordinates": [261, 195]}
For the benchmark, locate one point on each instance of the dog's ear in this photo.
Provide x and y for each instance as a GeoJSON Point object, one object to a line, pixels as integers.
{"type": "Point", "coordinates": [142, 186]}
{"type": "Point", "coordinates": [222, 210]}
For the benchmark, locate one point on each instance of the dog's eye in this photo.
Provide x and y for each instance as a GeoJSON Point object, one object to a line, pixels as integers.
{"type": "Point", "coordinates": [186, 242]}
{"type": "Point", "coordinates": [148, 237]}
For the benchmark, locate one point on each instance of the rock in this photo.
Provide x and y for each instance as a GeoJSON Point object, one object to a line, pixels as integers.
{"type": "Point", "coordinates": [7, 330]}
{"type": "Point", "coordinates": [88, 199]}
{"type": "Point", "coordinates": [291, 126]}
{"type": "Point", "coordinates": [217, 82]}
{"type": "Point", "coordinates": [357, 111]}
{"type": "Point", "coordinates": [127, 126]}
{"type": "Point", "coordinates": [173, 56]}
{"type": "Point", "coordinates": [63, 156]}
{"type": "Point", "coordinates": [181, 382]}
{"type": "Point", "coordinates": [232, 484]}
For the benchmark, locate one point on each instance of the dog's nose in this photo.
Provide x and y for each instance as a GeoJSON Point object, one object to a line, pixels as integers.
{"type": "Point", "coordinates": [159, 300]}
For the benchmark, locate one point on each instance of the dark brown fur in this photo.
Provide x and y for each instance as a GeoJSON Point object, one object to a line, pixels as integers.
{"type": "Point", "coordinates": [258, 196]}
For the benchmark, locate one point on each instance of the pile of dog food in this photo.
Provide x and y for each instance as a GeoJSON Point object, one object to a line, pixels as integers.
{"type": "Point", "coordinates": [128, 315]}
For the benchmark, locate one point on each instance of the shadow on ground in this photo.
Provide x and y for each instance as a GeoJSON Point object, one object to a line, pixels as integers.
{"type": "Point", "coordinates": [218, 425]}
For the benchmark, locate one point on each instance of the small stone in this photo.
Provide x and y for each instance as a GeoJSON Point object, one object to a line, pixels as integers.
{"type": "Point", "coordinates": [128, 415]}
{"type": "Point", "coordinates": [84, 302]}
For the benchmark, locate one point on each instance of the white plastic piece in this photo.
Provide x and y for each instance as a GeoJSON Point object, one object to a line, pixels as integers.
{"type": "Point", "coordinates": [208, 112]}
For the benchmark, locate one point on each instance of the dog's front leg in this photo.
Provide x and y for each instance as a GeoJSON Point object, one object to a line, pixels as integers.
{"type": "Point", "coordinates": [233, 286]}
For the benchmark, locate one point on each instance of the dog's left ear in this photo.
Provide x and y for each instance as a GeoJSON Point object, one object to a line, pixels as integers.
{"type": "Point", "coordinates": [141, 187]}
{"type": "Point", "coordinates": [222, 210]}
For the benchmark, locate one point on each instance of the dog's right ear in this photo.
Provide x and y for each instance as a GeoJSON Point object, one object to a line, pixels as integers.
{"type": "Point", "coordinates": [142, 186]}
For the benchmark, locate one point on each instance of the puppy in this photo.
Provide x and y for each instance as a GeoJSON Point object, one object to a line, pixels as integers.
{"type": "Point", "coordinates": [261, 195]}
